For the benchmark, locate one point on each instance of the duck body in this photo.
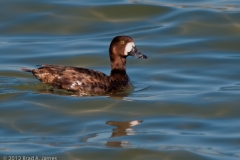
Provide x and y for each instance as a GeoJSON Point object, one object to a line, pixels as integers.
{"type": "Point", "coordinates": [82, 80]}
{"type": "Point", "coordinates": [90, 82]}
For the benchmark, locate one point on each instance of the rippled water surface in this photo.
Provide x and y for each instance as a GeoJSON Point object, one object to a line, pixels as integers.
{"type": "Point", "coordinates": [186, 98]}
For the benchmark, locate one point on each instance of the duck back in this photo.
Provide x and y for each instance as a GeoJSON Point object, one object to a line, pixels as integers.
{"type": "Point", "coordinates": [73, 78]}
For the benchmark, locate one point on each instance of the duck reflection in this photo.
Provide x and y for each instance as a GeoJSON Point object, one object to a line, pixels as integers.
{"type": "Point", "coordinates": [122, 129]}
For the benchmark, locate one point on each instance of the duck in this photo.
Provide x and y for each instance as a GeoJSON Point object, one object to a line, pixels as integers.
{"type": "Point", "coordinates": [84, 81]}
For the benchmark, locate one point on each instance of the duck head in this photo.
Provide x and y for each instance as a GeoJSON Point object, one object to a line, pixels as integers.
{"type": "Point", "coordinates": [123, 46]}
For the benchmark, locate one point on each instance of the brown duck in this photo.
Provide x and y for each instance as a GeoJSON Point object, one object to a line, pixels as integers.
{"type": "Point", "coordinates": [90, 82]}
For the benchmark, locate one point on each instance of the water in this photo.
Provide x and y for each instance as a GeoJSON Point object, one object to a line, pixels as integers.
{"type": "Point", "coordinates": [185, 104]}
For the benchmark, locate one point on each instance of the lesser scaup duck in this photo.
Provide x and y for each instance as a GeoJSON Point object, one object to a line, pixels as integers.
{"type": "Point", "coordinates": [90, 82]}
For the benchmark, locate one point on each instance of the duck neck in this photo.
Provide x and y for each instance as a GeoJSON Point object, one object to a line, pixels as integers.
{"type": "Point", "coordinates": [118, 72]}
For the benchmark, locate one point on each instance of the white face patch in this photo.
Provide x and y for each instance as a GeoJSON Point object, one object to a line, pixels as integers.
{"type": "Point", "coordinates": [128, 48]}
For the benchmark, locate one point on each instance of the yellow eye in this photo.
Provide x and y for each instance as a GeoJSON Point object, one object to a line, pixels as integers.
{"type": "Point", "coordinates": [122, 42]}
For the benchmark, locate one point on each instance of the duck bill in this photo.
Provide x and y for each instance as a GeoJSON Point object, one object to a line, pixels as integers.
{"type": "Point", "coordinates": [134, 52]}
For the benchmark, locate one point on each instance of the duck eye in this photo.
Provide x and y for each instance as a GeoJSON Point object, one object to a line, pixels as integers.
{"type": "Point", "coordinates": [122, 42]}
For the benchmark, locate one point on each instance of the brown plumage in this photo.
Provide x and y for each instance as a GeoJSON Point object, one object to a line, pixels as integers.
{"type": "Point", "coordinates": [90, 82]}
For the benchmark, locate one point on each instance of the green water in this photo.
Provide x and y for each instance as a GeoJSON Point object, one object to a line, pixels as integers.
{"type": "Point", "coordinates": [185, 103]}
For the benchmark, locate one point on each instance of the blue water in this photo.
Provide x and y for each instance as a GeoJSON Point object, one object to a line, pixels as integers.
{"type": "Point", "coordinates": [185, 103]}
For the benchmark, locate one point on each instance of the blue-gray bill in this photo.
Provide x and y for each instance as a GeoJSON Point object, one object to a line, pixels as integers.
{"type": "Point", "coordinates": [134, 52]}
